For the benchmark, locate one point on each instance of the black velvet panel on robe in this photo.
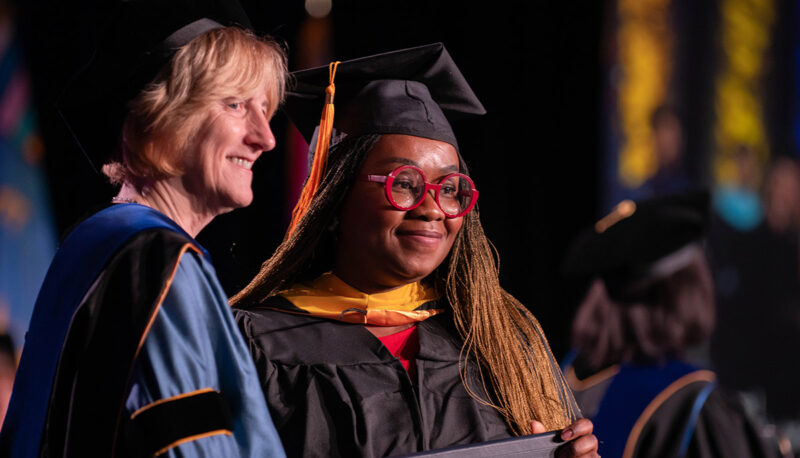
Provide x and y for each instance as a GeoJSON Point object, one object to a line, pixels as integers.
{"type": "Point", "coordinates": [334, 390]}
{"type": "Point", "coordinates": [92, 378]}
{"type": "Point", "coordinates": [722, 429]}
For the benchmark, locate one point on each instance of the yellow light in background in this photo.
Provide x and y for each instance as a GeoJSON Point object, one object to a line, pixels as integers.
{"type": "Point", "coordinates": [318, 8]}
{"type": "Point", "coordinates": [644, 39]}
{"type": "Point", "coordinates": [745, 35]}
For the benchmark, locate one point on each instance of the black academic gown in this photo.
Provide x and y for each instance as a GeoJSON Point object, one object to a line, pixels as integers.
{"type": "Point", "coordinates": [666, 410]}
{"type": "Point", "coordinates": [722, 428]}
{"type": "Point", "coordinates": [334, 390]}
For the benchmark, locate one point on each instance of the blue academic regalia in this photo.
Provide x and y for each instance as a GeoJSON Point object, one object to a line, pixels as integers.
{"type": "Point", "coordinates": [133, 350]}
{"type": "Point", "coordinates": [669, 409]}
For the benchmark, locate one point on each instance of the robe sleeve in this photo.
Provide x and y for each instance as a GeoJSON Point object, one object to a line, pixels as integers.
{"type": "Point", "coordinates": [265, 368]}
{"type": "Point", "coordinates": [194, 369]}
{"type": "Point", "coordinates": [724, 429]}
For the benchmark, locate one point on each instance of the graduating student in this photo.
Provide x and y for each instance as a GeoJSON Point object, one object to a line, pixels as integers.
{"type": "Point", "coordinates": [649, 302]}
{"type": "Point", "coordinates": [379, 326]}
{"type": "Point", "coordinates": [132, 348]}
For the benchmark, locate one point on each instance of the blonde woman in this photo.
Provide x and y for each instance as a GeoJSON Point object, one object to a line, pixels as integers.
{"type": "Point", "coordinates": [132, 349]}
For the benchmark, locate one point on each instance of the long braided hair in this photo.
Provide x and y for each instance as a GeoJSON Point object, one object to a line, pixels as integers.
{"type": "Point", "coordinates": [516, 362]}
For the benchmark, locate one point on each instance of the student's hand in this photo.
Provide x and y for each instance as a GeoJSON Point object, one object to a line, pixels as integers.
{"type": "Point", "coordinates": [581, 443]}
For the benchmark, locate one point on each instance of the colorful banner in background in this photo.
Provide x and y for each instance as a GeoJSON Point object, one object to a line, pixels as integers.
{"type": "Point", "coordinates": [644, 39]}
{"type": "Point", "coordinates": [745, 35]}
{"type": "Point", "coordinates": [732, 149]}
{"type": "Point", "coordinates": [741, 147]}
{"type": "Point", "coordinates": [27, 233]}
{"type": "Point", "coordinates": [638, 77]}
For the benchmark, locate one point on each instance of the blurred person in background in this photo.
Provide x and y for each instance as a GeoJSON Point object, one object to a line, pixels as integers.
{"type": "Point", "coordinates": [132, 349]}
{"type": "Point", "coordinates": [782, 196]}
{"type": "Point", "coordinates": [668, 148]}
{"type": "Point", "coordinates": [650, 301]}
{"type": "Point", "coordinates": [757, 292]}
{"type": "Point", "coordinates": [379, 326]}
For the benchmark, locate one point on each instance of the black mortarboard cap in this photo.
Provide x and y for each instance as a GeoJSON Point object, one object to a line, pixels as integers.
{"type": "Point", "coordinates": [138, 40]}
{"type": "Point", "coordinates": [623, 247]}
{"type": "Point", "coordinates": [415, 91]}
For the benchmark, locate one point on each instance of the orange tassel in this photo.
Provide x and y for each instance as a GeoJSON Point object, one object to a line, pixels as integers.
{"type": "Point", "coordinates": [320, 153]}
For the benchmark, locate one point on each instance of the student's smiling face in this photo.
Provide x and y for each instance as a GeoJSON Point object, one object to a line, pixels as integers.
{"type": "Point", "coordinates": [380, 247]}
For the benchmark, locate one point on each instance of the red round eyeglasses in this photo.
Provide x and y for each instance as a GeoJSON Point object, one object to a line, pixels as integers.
{"type": "Point", "coordinates": [406, 187]}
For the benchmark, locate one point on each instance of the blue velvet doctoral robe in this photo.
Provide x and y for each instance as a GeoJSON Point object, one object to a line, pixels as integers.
{"type": "Point", "coordinates": [132, 350]}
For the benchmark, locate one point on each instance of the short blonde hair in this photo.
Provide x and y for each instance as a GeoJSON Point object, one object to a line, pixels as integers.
{"type": "Point", "coordinates": [220, 63]}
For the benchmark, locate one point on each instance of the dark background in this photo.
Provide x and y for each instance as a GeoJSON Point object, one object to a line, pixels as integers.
{"type": "Point", "coordinates": [536, 66]}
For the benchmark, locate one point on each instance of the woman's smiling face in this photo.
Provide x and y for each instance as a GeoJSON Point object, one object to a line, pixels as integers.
{"type": "Point", "coordinates": [380, 247]}
{"type": "Point", "coordinates": [221, 155]}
